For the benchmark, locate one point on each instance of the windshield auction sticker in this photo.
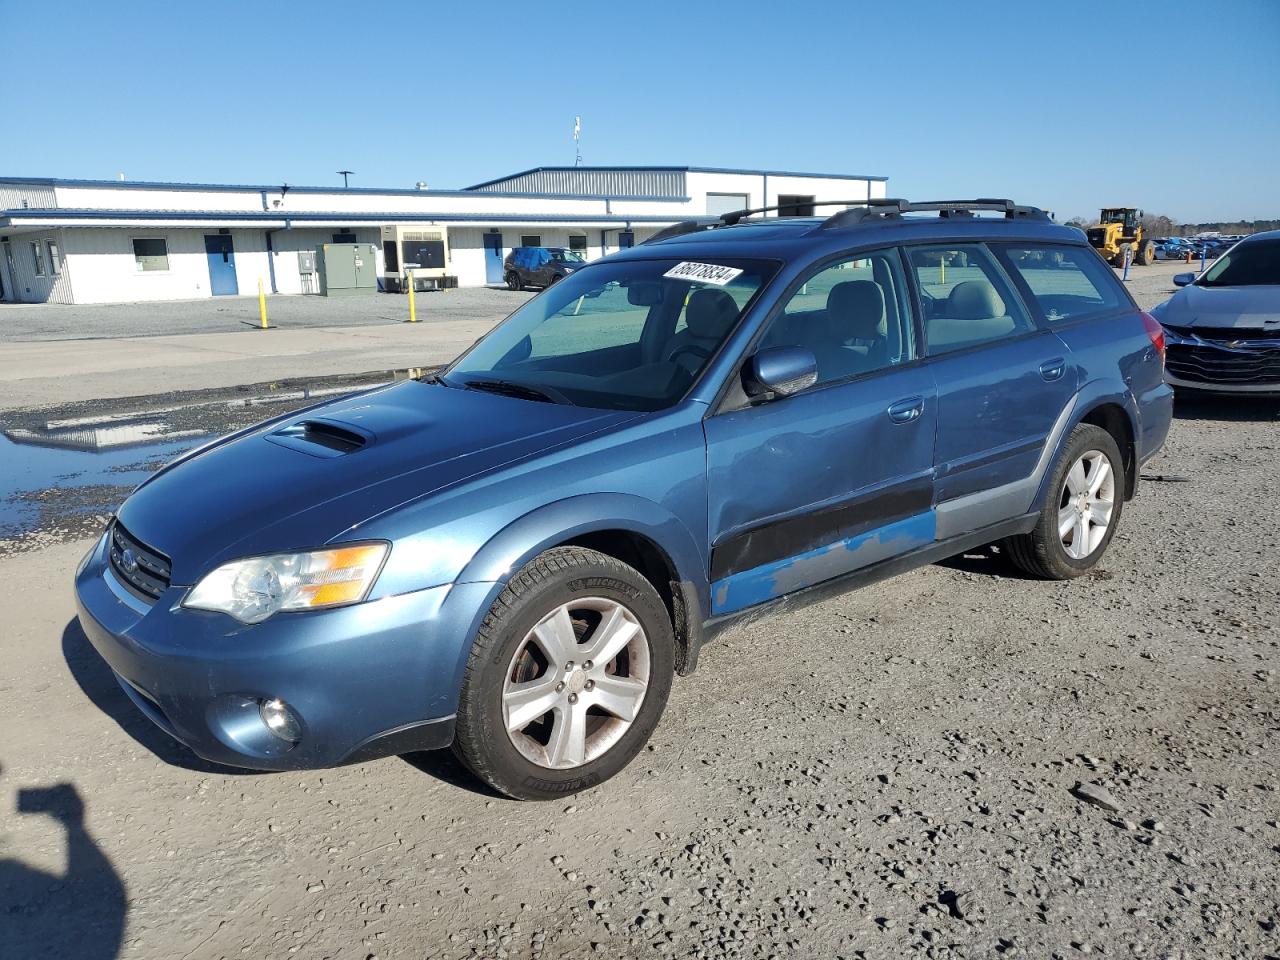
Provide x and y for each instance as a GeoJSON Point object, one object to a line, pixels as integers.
{"type": "Point", "coordinates": [703, 273]}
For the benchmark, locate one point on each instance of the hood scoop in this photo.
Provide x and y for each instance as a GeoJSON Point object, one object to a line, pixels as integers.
{"type": "Point", "coordinates": [322, 438]}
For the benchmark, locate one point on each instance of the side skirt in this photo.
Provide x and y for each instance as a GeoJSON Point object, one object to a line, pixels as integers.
{"type": "Point", "coordinates": [871, 574]}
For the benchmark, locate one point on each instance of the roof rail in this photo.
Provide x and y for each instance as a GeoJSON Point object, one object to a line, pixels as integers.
{"type": "Point", "coordinates": [681, 228]}
{"type": "Point", "coordinates": [891, 208]}
{"type": "Point", "coordinates": [734, 216]}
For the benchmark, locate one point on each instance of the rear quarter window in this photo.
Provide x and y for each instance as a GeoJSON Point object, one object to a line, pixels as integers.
{"type": "Point", "coordinates": [1066, 282]}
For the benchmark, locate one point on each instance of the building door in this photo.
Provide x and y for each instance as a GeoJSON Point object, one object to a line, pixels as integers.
{"type": "Point", "coordinates": [493, 258]}
{"type": "Point", "coordinates": [626, 238]}
{"type": "Point", "coordinates": [13, 272]}
{"type": "Point", "coordinates": [222, 265]}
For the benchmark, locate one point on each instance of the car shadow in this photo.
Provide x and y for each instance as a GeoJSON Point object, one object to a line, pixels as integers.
{"type": "Point", "coordinates": [79, 912]}
{"type": "Point", "coordinates": [1227, 409]}
{"type": "Point", "coordinates": [99, 684]}
{"type": "Point", "coordinates": [444, 766]}
{"type": "Point", "coordinates": [989, 561]}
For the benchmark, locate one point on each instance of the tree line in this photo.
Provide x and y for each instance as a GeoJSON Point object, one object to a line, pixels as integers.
{"type": "Point", "coordinates": [1158, 225]}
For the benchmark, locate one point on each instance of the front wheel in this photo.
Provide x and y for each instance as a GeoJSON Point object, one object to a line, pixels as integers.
{"type": "Point", "coordinates": [1081, 512]}
{"type": "Point", "coordinates": [513, 281]}
{"type": "Point", "coordinates": [568, 676]}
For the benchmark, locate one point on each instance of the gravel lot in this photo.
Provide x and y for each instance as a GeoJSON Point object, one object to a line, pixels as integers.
{"type": "Point", "coordinates": [887, 774]}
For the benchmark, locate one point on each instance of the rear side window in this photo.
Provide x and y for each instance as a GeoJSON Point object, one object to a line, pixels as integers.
{"type": "Point", "coordinates": [965, 297]}
{"type": "Point", "coordinates": [1066, 282]}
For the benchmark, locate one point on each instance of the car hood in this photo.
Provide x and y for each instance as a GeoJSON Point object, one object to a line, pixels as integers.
{"type": "Point", "coordinates": [1235, 308]}
{"type": "Point", "coordinates": [302, 480]}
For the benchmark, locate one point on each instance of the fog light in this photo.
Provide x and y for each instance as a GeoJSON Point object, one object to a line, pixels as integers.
{"type": "Point", "coordinates": [280, 720]}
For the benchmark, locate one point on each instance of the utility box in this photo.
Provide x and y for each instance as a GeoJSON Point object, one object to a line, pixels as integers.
{"type": "Point", "coordinates": [307, 271]}
{"type": "Point", "coordinates": [347, 269]}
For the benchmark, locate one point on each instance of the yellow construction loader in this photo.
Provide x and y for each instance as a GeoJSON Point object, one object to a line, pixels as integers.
{"type": "Point", "coordinates": [1119, 232]}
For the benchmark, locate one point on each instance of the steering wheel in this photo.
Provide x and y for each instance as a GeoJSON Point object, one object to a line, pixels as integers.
{"type": "Point", "coordinates": [692, 348]}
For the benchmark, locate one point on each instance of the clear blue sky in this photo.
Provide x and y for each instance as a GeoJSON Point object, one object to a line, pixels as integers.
{"type": "Point", "coordinates": [1172, 106]}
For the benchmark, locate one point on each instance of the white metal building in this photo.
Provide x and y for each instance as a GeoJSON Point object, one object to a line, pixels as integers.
{"type": "Point", "coordinates": [103, 241]}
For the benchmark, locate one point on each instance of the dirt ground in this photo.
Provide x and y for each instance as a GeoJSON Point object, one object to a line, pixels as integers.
{"type": "Point", "coordinates": [887, 774]}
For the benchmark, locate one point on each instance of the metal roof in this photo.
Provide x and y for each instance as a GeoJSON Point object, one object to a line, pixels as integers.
{"type": "Point", "coordinates": [259, 218]}
{"type": "Point", "coordinates": [277, 187]}
{"type": "Point", "coordinates": [672, 169]}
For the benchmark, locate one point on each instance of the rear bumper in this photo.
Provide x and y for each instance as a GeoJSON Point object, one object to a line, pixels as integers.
{"type": "Point", "coordinates": [1155, 417]}
{"type": "Point", "coordinates": [365, 681]}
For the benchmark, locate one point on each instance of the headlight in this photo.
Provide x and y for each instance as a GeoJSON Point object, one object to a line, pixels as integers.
{"type": "Point", "coordinates": [253, 589]}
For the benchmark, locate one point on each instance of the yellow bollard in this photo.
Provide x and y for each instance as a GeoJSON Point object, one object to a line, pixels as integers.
{"type": "Point", "coordinates": [262, 305]}
{"type": "Point", "coordinates": [942, 270]}
{"type": "Point", "coordinates": [413, 309]}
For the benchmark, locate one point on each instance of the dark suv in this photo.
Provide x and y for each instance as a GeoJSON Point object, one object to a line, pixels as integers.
{"type": "Point", "coordinates": [516, 555]}
{"type": "Point", "coordinates": [539, 266]}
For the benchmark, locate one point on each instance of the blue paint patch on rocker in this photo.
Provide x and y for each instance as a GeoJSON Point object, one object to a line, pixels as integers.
{"type": "Point", "coordinates": [772, 580]}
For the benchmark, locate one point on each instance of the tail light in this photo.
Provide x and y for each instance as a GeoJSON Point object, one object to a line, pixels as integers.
{"type": "Point", "coordinates": [1155, 332]}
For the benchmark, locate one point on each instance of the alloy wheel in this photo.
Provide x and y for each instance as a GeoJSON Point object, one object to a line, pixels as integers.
{"type": "Point", "coordinates": [1086, 504]}
{"type": "Point", "coordinates": [575, 683]}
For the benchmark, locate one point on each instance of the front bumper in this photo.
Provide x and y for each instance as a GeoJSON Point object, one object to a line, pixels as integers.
{"type": "Point", "coordinates": [1248, 365]}
{"type": "Point", "coordinates": [366, 680]}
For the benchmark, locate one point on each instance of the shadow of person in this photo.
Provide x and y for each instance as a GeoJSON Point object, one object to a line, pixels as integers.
{"type": "Point", "coordinates": [99, 684]}
{"type": "Point", "coordinates": [79, 913]}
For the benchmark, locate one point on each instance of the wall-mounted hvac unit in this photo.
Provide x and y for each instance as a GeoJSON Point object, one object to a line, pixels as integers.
{"type": "Point", "coordinates": [419, 251]}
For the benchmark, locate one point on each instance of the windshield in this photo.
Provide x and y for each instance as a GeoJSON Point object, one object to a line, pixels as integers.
{"type": "Point", "coordinates": [566, 256]}
{"type": "Point", "coordinates": [626, 335]}
{"type": "Point", "coordinates": [1246, 265]}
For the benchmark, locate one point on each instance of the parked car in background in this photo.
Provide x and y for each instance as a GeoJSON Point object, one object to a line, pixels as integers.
{"type": "Point", "coordinates": [539, 266]}
{"type": "Point", "coordinates": [1172, 248]}
{"type": "Point", "coordinates": [515, 556]}
{"type": "Point", "coordinates": [1223, 328]}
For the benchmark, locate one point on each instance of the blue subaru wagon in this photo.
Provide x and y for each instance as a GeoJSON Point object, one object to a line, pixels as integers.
{"type": "Point", "coordinates": [516, 555]}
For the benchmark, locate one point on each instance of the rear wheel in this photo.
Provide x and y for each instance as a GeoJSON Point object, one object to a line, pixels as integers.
{"type": "Point", "coordinates": [513, 281]}
{"type": "Point", "coordinates": [1081, 512]}
{"type": "Point", "coordinates": [568, 676]}
{"type": "Point", "coordinates": [1146, 253]}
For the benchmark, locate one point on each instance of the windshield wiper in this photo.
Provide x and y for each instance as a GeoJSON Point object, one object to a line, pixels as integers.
{"type": "Point", "coordinates": [509, 388]}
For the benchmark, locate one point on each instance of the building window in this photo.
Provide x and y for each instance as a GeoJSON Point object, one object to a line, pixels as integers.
{"type": "Point", "coordinates": [626, 238]}
{"type": "Point", "coordinates": [344, 238]}
{"type": "Point", "coordinates": [795, 205]}
{"type": "Point", "coordinates": [531, 240]}
{"type": "Point", "coordinates": [37, 255]}
{"type": "Point", "coordinates": [578, 244]}
{"type": "Point", "coordinates": [718, 203]}
{"type": "Point", "coordinates": [55, 260]}
{"type": "Point", "coordinates": [151, 254]}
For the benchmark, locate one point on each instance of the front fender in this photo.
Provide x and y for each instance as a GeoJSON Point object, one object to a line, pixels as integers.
{"type": "Point", "coordinates": [543, 528]}
{"type": "Point", "coordinates": [548, 526]}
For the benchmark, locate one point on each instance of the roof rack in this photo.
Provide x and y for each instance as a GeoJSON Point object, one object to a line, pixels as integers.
{"type": "Point", "coordinates": [734, 217]}
{"type": "Point", "coordinates": [893, 208]}
{"type": "Point", "coordinates": [877, 209]}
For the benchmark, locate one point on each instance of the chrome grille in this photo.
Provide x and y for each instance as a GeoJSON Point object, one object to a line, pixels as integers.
{"type": "Point", "coordinates": [1206, 363]}
{"type": "Point", "coordinates": [136, 565]}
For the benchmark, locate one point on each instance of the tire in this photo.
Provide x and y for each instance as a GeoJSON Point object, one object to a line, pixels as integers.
{"type": "Point", "coordinates": [1119, 258]}
{"type": "Point", "coordinates": [1044, 552]}
{"type": "Point", "coordinates": [512, 667]}
{"type": "Point", "coordinates": [1146, 253]}
{"type": "Point", "coordinates": [513, 281]}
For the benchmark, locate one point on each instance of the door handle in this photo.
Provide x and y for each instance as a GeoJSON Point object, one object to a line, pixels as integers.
{"type": "Point", "coordinates": [1053, 369]}
{"type": "Point", "coordinates": [904, 411]}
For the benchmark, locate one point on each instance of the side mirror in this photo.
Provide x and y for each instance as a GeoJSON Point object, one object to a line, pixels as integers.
{"type": "Point", "coordinates": [1183, 279]}
{"type": "Point", "coordinates": [781, 370]}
